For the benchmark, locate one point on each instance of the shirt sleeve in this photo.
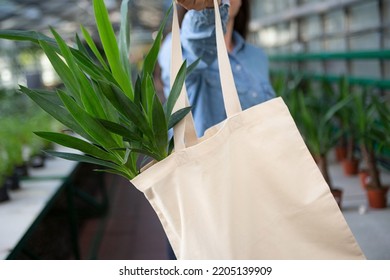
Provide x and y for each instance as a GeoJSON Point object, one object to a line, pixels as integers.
{"type": "Point", "coordinates": [198, 33]}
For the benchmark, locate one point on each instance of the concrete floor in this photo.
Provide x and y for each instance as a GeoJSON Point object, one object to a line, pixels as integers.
{"type": "Point", "coordinates": [371, 227]}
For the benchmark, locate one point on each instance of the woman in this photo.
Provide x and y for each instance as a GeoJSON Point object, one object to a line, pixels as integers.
{"type": "Point", "coordinates": [249, 63]}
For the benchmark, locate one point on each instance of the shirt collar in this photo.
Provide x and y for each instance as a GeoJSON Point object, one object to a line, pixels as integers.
{"type": "Point", "coordinates": [239, 42]}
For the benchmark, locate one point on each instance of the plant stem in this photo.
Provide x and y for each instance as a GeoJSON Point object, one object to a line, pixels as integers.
{"type": "Point", "coordinates": [322, 163]}
{"type": "Point", "coordinates": [350, 147]}
{"type": "Point", "coordinates": [369, 157]}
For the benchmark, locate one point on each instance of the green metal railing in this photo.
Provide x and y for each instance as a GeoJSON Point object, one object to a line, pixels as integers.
{"type": "Point", "coordinates": [354, 55]}
{"type": "Point", "coordinates": [361, 81]}
{"type": "Point", "coordinates": [345, 56]}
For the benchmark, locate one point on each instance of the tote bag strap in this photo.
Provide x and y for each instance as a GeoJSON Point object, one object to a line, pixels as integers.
{"type": "Point", "coordinates": [229, 91]}
{"type": "Point", "coordinates": [184, 131]}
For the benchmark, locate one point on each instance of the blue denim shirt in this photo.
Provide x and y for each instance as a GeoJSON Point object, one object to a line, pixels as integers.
{"type": "Point", "coordinates": [249, 66]}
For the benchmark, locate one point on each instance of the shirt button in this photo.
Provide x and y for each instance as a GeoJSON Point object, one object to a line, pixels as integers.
{"type": "Point", "coordinates": [253, 94]}
{"type": "Point", "coordinates": [238, 67]}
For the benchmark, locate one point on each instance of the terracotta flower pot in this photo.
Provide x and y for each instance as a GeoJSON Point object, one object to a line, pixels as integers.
{"type": "Point", "coordinates": [377, 198]}
{"type": "Point", "coordinates": [341, 153]}
{"type": "Point", "coordinates": [351, 167]}
{"type": "Point", "coordinates": [364, 178]}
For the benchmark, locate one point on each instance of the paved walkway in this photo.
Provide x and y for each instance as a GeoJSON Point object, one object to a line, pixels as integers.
{"type": "Point", "coordinates": [370, 227]}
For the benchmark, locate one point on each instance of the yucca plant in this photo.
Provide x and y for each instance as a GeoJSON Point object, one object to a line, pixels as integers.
{"type": "Point", "coordinates": [372, 117]}
{"type": "Point", "coordinates": [348, 141]}
{"type": "Point", "coordinates": [344, 119]}
{"type": "Point", "coordinates": [6, 166]}
{"type": "Point", "coordinates": [317, 124]}
{"type": "Point", "coordinates": [384, 143]}
{"type": "Point", "coordinates": [116, 121]}
{"type": "Point", "coordinates": [288, 87]}
{"type": "Point", "coordinates": [14, 135]}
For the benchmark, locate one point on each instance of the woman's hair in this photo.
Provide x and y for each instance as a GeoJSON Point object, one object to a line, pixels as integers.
{"type": "Point", "coordinates": [241, 21]}
{"type": "Point", "coordinates": [181, 12]}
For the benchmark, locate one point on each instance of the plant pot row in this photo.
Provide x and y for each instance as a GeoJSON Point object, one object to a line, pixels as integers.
{"type": "Point", "coordinates": [350, 167]}
{"type": "Point", "coordinates": [12, 182]}
{"type": "Point", "coordinates": [377, 197]}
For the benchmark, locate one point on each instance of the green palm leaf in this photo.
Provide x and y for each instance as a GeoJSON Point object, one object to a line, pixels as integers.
{"type": "Point", "coordinates": [84, 158]}
{"type": "Point", "coordinates": [110, 46]}
{"type": "Point", "coordinates": [92, 45]}
{"type": "Point", "coordinates": [116, 126]}
{"type": "Point", "coordinates": [53, 106]}
{"type": "Point", "coordinates": [77, 143]}
{"type": "Point", "coordinates": [62, 70]}
{"type": "Point", "coordinates": [151, 57]}
{"type": "Point", "coordinates": [90, 125]}
{"type": "Point", "coordinates": [178, 116]}
{"type": "Point", "coordinates": [124, 38]}
{"type": "Point", "coordinates": [160, 128]}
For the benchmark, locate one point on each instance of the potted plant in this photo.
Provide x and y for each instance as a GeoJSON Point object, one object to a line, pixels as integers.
{"type": "Point", "coordinates": [11, 144]}
{"type": "Point", "coordinates": [3, 176]}
{"type": "Point", "coordinates": [318, 127]}
{"type": "Point", "coordinates": [373, 116]}
{"type": "Point", "coordinates": [17, 135]}
{"type": "Point", "coordinates": [38, 120]}
{"type": "Point", "coordinates": [288, 87]}
{"type": "Point", "coordinates": [347, 143]}
{"type": "Point", "coordinates": [117, 121]}
{"type": "Point", "coordinates": [384, 147]}
{"type": "Point", "coordinates": [6, 166]}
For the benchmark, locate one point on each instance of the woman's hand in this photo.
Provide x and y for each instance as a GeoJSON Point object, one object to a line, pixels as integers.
{"type": "Point", "coordinates": [197, 4]}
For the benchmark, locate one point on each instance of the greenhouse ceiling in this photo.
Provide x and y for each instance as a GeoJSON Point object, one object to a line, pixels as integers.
{"type": "Point", "coordinates": [67, 15]}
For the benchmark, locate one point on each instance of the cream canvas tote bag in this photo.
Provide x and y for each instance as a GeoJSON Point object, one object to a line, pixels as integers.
{"type": "Point", "coordinates": [248, 189]}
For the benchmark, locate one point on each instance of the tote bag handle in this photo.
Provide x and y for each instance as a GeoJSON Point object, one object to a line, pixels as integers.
{"type": "Point", "coordinates": [184, 131]}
